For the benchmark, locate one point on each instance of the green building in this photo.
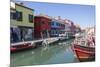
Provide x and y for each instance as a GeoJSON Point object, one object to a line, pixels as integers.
{"type": "Point", "coordinates": [21, 22]}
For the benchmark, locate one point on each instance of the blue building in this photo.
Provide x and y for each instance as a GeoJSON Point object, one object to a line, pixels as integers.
{"type": "Point", "coordinates": [57, 28]}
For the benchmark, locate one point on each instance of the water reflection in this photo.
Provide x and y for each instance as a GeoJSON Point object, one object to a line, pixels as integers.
{"type": "Point", "coordinates": [55, 53]}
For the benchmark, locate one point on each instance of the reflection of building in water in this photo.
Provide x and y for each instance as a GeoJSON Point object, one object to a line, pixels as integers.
{"type": "Point", "coordinates": [21, 22]}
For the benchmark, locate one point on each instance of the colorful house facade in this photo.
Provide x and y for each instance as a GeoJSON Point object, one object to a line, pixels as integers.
{"type": "Point", "coordinates": [67, 28]}
{"type": "Point", "coordinates": [57, 28]}
{"type": "Point", "coordinates": [73, 28]}
{"type": "Point", "coordinates": [42, 26]}
{"type": "Point", "coordinates": [21, 22]}
{"type": "Point", "coordinates": [70, 28]}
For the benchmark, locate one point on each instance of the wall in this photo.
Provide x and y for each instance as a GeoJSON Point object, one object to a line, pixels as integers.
{"type": "Point", "coordinates": [25, 20]}
{"type": "Point", "coordinates": [41, 24]}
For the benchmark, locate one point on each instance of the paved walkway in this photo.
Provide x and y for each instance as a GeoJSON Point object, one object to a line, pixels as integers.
{"type": "Point", "coordinates": [50, 40]}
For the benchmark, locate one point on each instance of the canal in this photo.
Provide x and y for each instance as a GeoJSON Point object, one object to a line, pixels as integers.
{"type": "Point", "coordinates": [56, 53]}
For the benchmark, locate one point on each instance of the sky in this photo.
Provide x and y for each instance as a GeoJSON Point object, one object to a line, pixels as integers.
{"type": "Point", "coordinates": [84, 15]}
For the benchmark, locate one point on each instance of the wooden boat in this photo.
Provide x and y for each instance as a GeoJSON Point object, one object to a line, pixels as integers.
{"type": "Point", "coordinates": [84, 53]}
{"type": "Point", "coordinates": [84, 45]}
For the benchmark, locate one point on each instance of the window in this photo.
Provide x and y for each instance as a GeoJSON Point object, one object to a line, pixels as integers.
{"type": "Point", "coordinates": [61, 25]}
{"type": "Point", "coordinates": [57, 24]}
{"type": "Point", "coordinates": [51, 31]}
{"type": "Point", "coordinates": [52, 23]}
{"type": "Point", "coordinates": [30, 18]}
{"type": "Point", "coordinates": [19, 15]}
{"type": "Point", "coordinates": [56, 32]}
{"type": "Point", "coordinates": [12, 15]}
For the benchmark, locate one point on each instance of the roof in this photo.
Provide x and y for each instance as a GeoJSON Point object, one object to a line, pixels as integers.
{"type": "Point", "coordinates": [24, 6]}
{"type": "Point", "coordinates": [45, 16]}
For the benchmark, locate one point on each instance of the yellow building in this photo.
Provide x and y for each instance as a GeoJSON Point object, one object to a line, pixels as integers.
{"type": "Point", "coordinates": [21, 22]}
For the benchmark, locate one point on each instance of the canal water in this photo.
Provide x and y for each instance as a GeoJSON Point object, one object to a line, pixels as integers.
{"type": "Point", "coordinates": [56, 53]}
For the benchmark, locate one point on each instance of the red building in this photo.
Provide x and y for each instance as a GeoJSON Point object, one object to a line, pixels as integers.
{"type": "Point", "coordinates": [42, 26]}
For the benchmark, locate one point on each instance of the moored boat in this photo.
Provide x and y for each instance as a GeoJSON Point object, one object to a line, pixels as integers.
{"type": "Point", "coordinates": [84, 53]}
{"type": "Point", "coordinates": [19, 47]}
{"type": "Point", "coordinates": [84, 46]}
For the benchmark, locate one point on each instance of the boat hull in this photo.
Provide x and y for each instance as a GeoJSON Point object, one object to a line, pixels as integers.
{"type": "Point", "coordinates": [21, 47]}
{"type": "Point", "coordinates": [84, 53]}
